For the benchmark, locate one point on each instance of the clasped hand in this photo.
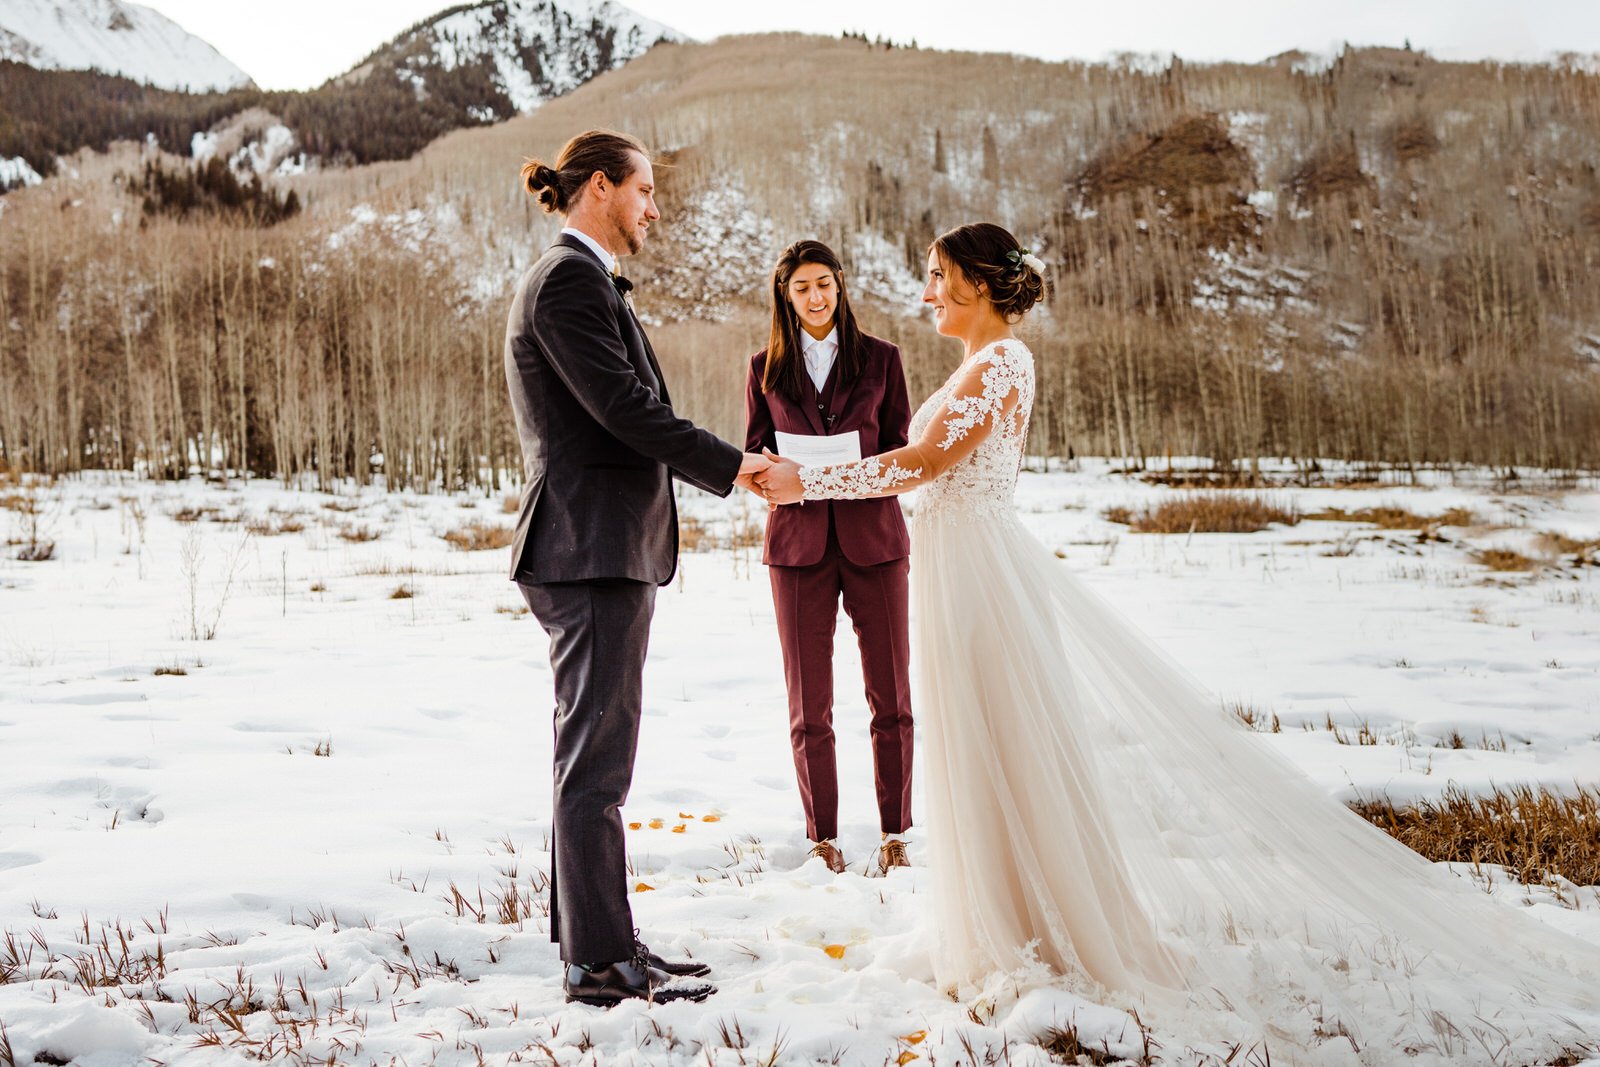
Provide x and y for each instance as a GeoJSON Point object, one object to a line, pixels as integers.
{"type": "Point", "coordinates": [770, 476]}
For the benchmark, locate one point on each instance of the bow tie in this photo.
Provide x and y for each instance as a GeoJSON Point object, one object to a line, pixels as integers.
{"type": "Point", "coordinates": [624, 286]}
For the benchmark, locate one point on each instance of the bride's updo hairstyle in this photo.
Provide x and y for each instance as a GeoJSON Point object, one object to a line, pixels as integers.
{"type": "Point", "coordinates": [995, 264]}
{"type": "Point", "coordinates": [558, 188]}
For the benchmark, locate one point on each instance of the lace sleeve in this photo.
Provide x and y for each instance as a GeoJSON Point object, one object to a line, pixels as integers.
{"type": "Point", "coordinates": [983, 397]}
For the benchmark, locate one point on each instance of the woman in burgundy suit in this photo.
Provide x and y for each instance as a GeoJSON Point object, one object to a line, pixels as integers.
{"type": "Point", "coordinates": [820, 375]}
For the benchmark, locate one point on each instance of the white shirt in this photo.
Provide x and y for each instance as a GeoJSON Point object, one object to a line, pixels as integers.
{"type": "Point", "coordinates": [820, 356]}
{"type": "Point", "coordinates": [607, 260]}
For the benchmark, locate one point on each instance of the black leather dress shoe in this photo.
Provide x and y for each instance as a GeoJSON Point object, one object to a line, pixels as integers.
{"type": "Point", "coordinates": [629, 980]}
{"type": "Point", "coordinates": [676, 968]}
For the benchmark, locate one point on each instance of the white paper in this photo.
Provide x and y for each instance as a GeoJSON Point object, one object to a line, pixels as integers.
{"type": "Point", "coordinates": [813, 450]}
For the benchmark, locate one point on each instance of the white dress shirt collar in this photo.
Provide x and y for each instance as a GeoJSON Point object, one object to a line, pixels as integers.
{"type": "Point", "coordinates": [607, 260]}
{"type": "Point", "coordinates": [819, 354]}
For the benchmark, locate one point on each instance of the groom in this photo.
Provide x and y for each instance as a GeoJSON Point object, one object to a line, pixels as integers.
{"type": "Point", "coordinates": [598, 532]}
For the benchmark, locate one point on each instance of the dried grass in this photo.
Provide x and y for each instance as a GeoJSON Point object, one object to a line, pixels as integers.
{"type": "Point", "coordinates": [1504, 559]}
{"type": "Point", "coordinates": [1583, 553]}
{"type": "Point", "coordinates": [1394, 518]}
{"type": "Point", "coordinates": [273, 525]}
{"type": "Point", "coordinates": [1206, 513]}
{"type": "Point", "coordinates": [1536, 835]}
{"type": "Point", "coordinates": [479, 535]}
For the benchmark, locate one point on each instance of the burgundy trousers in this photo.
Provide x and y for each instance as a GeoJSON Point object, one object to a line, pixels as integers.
{"type": "Point", "coordinates": [807, 602]}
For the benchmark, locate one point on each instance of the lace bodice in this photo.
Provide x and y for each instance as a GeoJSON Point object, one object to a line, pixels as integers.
{"type": "Point", "coordinates": [966, 443]}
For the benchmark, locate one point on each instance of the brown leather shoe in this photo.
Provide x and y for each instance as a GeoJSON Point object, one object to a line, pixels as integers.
{"type": "Point", "coordinates": [830, 854]}
{"type": "Point", "coordinates": [892, 854]}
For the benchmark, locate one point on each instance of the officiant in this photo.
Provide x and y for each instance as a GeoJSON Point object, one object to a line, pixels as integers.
{"type": "Point", "coordinates": [824, 392]}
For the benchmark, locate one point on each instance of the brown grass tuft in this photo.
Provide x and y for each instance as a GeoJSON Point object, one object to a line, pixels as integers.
{"type": "Point", "coordinates": [357, 534]}
{"type": "Point", "coordinates": [402, 592]}
{"type": "Point", "coordinates": [1583, 553]}
{"type": "Point", "coordinates": [1206, 513]}
{"type": "Point", "coordinates": [1063, 1045]}
{"type": "Point", "coordinates": [271, 526]}
{"type": "Point", "coordinates": [511, 504]}
{"type": "Point", "coordinates": [1392, 518]}
{"type": "Point", "coordinates": [693, 535]}
{"type": "Point", "coordinates": [1534, 835]}
{"type": "Point", "coordinates": [1503, 559]}
{"type": "Point", "coordinates": [480, 534]}
{"type": "Point", "coordinates": [1255, 718]}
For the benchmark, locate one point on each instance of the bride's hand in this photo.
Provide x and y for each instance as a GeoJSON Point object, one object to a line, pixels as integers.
{"type": "Point", "coordinates": [781, 481]}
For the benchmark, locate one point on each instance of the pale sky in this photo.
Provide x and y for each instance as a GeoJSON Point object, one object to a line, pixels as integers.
{"type": "Point", "coordinates": [297, 44]}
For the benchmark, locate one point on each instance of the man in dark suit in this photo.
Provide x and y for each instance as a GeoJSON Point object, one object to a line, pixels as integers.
{"type": "Point", "coordinates": [597, 534]}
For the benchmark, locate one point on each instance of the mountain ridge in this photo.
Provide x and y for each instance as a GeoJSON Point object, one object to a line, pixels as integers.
{"type": "Point", "coordinates": [114, 37]}
{"type": "Point", "coordinates": [468, 65]}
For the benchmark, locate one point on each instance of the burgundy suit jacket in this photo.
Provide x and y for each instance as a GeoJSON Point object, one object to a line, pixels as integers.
{"type": "Point", "coordinates": [875, 405]}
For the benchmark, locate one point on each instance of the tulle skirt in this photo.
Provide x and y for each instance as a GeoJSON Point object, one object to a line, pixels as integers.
{"type": "Point", "coordinates": [1092, 812]}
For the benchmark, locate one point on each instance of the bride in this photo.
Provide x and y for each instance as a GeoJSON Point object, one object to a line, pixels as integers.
{"type": "Point", "coordinates": [1091, 810]}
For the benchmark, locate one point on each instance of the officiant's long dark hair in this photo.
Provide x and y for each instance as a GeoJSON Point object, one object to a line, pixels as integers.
{"type": "Point", "coordinates": [785, 356]}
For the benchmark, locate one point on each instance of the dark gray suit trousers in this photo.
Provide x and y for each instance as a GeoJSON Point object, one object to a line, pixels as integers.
{"type": "Point", "coordinates": [599, 631]}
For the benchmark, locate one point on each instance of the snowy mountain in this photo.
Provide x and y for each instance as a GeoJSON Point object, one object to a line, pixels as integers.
{"type": "Point", "coordinates": [115, 37]}
{"type": "Point", "coordinates": [523, 51]}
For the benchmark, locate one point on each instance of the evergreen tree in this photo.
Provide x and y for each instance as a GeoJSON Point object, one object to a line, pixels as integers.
{"type": "Point", "coordinates": [991, 157]}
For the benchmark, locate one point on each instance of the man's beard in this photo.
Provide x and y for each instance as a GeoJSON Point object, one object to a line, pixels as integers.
{"type": "Point", "coordinates": [631, 237]}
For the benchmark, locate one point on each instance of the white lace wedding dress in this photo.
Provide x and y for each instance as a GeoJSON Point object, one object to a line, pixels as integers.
{"type": "Point", "coordinates": [1088, 803]}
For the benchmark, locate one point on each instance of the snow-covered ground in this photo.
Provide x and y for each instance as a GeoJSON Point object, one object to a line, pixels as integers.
{"type": "Point", "coordinates": [310, 827]}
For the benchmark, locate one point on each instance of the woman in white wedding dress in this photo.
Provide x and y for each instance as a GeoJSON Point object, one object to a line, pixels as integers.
{"type": "Point", "coordinates": [1090, 809]}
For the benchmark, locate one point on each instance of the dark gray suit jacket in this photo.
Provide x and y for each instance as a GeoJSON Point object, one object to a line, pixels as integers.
{"type": "Point", "coordinates": [599, 438]}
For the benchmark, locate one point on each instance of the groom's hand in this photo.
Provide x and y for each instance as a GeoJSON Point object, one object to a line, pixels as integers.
{"type": "Point", "coordinates": [748, 469]}
{"type": "Point", "coordinates": [781, 480]}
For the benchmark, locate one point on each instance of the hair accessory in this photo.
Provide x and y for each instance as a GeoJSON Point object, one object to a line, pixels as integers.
{"type": "Point", "coordinates": [1024, 257]}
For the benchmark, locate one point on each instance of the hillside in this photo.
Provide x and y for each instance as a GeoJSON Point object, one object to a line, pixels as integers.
{"type": "Point", "coordinates": [1381, 261]}
{"type": "Point", "coordinates": [469, 65]}
{"type": "Point", "coordinates": [114, 37]}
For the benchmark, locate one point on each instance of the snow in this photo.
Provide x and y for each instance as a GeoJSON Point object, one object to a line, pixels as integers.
{"type": "Point", "coordinates": [116, 37]}
{"type": "Point", "coordinates": [195, 802]}
{"type": "Point", "coordinates": [878, 268]}
{"type": "Point", "coordinates": [500, 31]}
{"type": "Point", "coordinates": [271, 151]}
{"type": "Point", "coordinates": [202, 146]}
{"type": "Point", "coordinates": [15, 172]}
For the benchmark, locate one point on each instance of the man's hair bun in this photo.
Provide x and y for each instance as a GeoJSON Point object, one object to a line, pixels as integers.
{"type": "Point", "coordinates": [544, 182]}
